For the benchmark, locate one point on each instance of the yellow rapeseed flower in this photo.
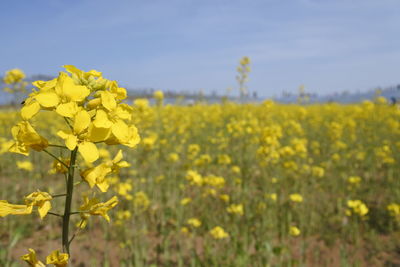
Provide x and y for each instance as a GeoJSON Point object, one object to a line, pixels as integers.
{"type": "Point", "coordinates": [13, 76]}
{"type": "Point", "coordinates": [25, 165]}
{"type": "Point", "coordinates": [31, 259]}
{"type": "Point", "coordinates": [218, 233]}
{"type": "Point", "coordinates": [194, 222]}
{"type": "Point", "coordinates": [357, 207]}
{"type": "Point", "coordinates": [235, 209]}
{"type": "Point", "coordinates": [95, 207]}
{"type": "Point", "coordinates": [58, 259]}
{"type": "Point", "coordinates": [12, 209]}
{"type": "Point", "coordinates": [40, 200]}
{"type": "Point", "coordinates": [185, 201]}
{"type": "Point", "coordinates": [296, 197]}
{"type": "Point", "coordinates": [294, 231]}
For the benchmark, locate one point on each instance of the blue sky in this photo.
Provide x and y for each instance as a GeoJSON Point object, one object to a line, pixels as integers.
{"type": "Point", "coordinates": [327, 45]}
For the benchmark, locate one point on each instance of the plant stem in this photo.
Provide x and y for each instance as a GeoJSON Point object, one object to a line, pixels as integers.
{"type": "Point", "coordinates": [58, 195]}
{"type": "Point", "coordinates": [55, 214]}
{"type": "Point", "coordinates": [68, 202]}
{"type": "Point", "coordinates": [54, 157]}
{"type": "Point", "coordinates": [58, 146]}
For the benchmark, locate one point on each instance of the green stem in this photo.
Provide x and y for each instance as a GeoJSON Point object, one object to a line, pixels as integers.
{"type": "Point", "coordinates": [69, 124]}
{"type": "Point", "coordinates": [53, 156]}
{"type": "Point", "coordinates": [68, 202]}
{"type": "Point", "coordinates": [58, 195]}
{"type": "Point", "coordinates": [58, 146]}
{"type": "Point", "coordinates": [55, 214]}
{"type": "Point", "coordinates": [79, 212]}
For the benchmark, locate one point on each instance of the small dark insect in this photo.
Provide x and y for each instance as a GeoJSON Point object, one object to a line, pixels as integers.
{"type": "Point", "coordinates": [23, 102]}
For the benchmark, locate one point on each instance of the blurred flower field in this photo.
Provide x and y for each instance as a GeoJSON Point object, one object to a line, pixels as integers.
{"type": "Point", "coordinates": [224, 184]}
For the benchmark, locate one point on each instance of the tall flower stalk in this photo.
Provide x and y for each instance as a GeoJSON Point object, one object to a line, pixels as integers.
{"type": "Point", "coordinates": [93, 111]}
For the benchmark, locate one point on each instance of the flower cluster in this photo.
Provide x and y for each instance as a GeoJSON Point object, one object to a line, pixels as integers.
{"type": "Point", "coordinates": [92, 111]}
{"type": "Point", "coordinates": [90, 104]}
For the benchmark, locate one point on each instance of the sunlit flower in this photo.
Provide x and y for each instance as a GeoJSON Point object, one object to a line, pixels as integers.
{"type": "Point", "coordinates": [294, 231]}
{"type": "Point", "coordinates": [218, 233]}
{"type": "Point", "coordinates": [31, 259]}
{"type": "Point", "coordinates": [58, 259]}
{"type": "Point", "coordinates": [94, 207]}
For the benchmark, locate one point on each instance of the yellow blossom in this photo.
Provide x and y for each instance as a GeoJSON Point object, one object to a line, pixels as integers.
{"type": "Point", "coordinates": [235, 209]}
{"type": "Point", "coordinates": [296, 197]}
{"type": "Point", "coordinates": [173, 157]}
{"type": "Point", "coordinates": [224, 197]}
{"type": "Point", "coordinates": [194, 222]}
{"type": "Point", "coordinates": [13, 76]}
{"type": "Point", "coordinates": [58, 259]}
{"type": "Point", "coordinates": [25, 138]}
{"type": "Point", "coordinates": [95, 207]}
{"type": "Point", "coordinates": [7, 209]}
{"type": "Point", "coordinates": [41, 200]}
{"type": "Point", "coordinates": [294, 231]}
{"type": "Point", "coordinates": [186, 201]}
{"type": "Point", "coordinates": [31, 259]}
{"type": "Point", "coordinates": [394, 209]}
{"type": "Point", "coordinates": [272, 196]}
{"type": "Point", "coordinates": [97, 175]}
{"type": "Point", "coordinates": [25, 165]}
{"type": "Point", "coordinates": [141, 201]}
{"type": "Point", "coordinates": [194, 178]}
{"type": "Point", "coordinates": [218, 233]}
{"type": "Point", "coordinates": [357, 207]}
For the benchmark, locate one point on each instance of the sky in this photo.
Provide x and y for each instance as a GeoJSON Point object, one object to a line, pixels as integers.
{"type": "Point", "coordinates": [326, 45]}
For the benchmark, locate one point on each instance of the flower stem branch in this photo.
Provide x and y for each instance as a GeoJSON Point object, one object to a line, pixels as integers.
{"type": "Point", "coordinates": [76, 232]}
{"type": "Point", "coordinates": [69, 124]}
{"type": "Point", "coordinates": [58, 195]}
{"type": "Point", "coordinates": [55, 214]}
{"type": "Point", "coordinates": [56, 158]}
{"type": "Point", "coordinates": [57, 146]}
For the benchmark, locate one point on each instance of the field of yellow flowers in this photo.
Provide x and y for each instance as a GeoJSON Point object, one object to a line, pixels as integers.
{"type": "Point", "coordinates": [224, 184]}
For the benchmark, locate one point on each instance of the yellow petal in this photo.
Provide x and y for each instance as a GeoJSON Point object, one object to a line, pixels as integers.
{"type": "Point", "coordinates": [47, 99]}
{"type": "Point", "coordinates": [94, 73]}
{"type": "Point", "coordinates": [44, 209]}
{"type": "Point", "coordinates": [98, 134]}
{"type": "Point", "coordinates": [70, 140]}
{"type": "Point", "coordinates": [75, 92]}
{"type": "Point", "coordinates": [45, 85]}
{"type": "Point", "coordinates": [102, 120]}
{"type": "Point", "coordinates": [30, 110]}
{"type": "Point", "coordinates": [19, 148]}
{"type": "Point", "coordinates": [96, 174]}
{"type": "Point", "coordinates": [108, 100]}
{"type": "Point", "coordinates": [121, 131]}
{"type": "Point", "coordinates": [67, 88]}
{"type": "Point", "coordinates": [67, 110]}
{"type": "Point", "coordinates": [64, 135]}
{"type": "Point", "coordinates": [103, 186]}
{"type": "Point", "coordinates": [31, 259]}
{"type": "Point", "coordinates": [88, 151]}
{"type": "Point", "coordinates": [82, 121]}
{"type": "Point", "coordinates": [89, 176]}
{"type": "Point", "coordinates": [58, 259]}
{"type": "Point", "coordinates": [118, 157]}
{"type": "Point", "coordinates": [123, 164]}
{"type": "Point", "coordinates": [94, 103]}
{"type": "Point", "coordinates": [134, 137]}
{"type": "Point", "coordinates": [124, 111]}
{"type": "Point", "coordinates": [7, 209]}
{"type": "Point", "coordinates": [72, 69]}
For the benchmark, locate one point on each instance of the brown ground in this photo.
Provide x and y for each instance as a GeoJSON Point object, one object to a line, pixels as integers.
{"type": "Point", "coordinates": [92, 245]}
